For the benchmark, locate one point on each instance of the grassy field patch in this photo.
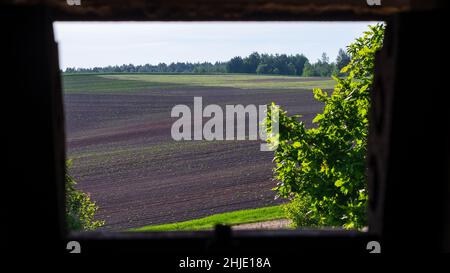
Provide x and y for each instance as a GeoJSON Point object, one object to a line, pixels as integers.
{"type": "Point", "coordinates": [125, 83]}
{"type": "Point", "coordinates": [228, 218]}
{"type": "Point", "coordinates": [243, 81]}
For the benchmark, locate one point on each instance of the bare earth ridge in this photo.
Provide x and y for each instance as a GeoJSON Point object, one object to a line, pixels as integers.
{"type": "Point", "coordinates": [124, 157]}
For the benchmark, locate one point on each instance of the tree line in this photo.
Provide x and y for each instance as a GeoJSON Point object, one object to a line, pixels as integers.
{"type": "Point", "coordinates": [255, 63]}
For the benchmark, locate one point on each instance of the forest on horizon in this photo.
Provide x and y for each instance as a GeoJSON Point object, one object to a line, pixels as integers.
{"type": "Point", "coordinates": [255, 63]}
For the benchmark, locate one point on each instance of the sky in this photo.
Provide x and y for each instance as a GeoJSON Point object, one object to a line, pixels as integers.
{"type": "Point", "coordinates": [90, 44]}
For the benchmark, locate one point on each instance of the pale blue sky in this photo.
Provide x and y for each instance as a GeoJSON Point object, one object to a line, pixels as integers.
{"type": "Point", "coordinates": [91, 44]}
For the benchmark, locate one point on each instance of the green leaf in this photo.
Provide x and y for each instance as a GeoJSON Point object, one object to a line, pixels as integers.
{"type": "Point", "coordinates": [339, 183]}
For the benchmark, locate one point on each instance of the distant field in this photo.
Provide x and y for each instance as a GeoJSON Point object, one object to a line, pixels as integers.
{"type": "Point", "coordinates": [136, 82]}
{"type": "Point", "coordinates": [118, 135]}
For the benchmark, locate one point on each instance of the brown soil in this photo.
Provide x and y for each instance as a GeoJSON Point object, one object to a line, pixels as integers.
{"type": "Point", "coordinates": [124, 156]}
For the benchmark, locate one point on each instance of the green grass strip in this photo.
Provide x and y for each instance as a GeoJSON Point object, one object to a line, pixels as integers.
{"type": "Point", "coordinates": [227, 218]}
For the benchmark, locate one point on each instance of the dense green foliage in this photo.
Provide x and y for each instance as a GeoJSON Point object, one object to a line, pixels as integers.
{"type": "Point", "coordinates": [321, 68]}
{"type": "Point", "coordinates": [255, 63]}
{"type": "Point", "coordinates": [322, 169]}
{"type": "Point", "coordinates": [80, 210]}
{"type": "Point", "coordinates": [268, 64]}
{"type": "Point", "coordinates": [298, 210]}
{"type": "Point", "coordinates": [342, 60]}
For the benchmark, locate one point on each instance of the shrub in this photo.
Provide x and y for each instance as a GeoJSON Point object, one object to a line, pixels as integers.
{"type": "Point", "coordinates": [322, 169]}
{"type": "Point", "coordinates": [299, 213]}
{"type": "Point", "coordinates": [80, 210]}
